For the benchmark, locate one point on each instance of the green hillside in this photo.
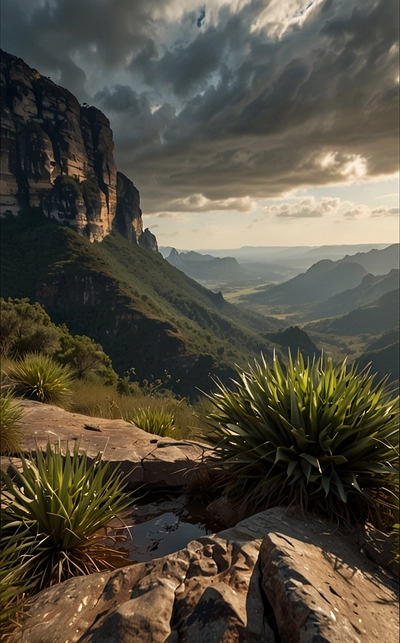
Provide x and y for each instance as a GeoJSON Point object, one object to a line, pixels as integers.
{"type": "Point", "coordinates": [144, 312]}
{"type": "Point", "coordinates": [323, 280]}
{"type": "Point", "coordinates": [384, 361]}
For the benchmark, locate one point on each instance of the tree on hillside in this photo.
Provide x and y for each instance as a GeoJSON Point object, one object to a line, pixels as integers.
{"type": "Point", "coordinates": [27, 328]}
{"type": "Point", "coordinates": [84, 356]}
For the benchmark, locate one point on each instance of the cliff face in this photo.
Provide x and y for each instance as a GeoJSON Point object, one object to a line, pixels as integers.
{"type": "Point", "coordinates": [58, 156]}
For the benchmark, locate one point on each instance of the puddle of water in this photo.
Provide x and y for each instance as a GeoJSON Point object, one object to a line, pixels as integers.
{"type": "Point", "coordinates": [157, 529]}
{"type": "Point", "coordinates": [160, 536]}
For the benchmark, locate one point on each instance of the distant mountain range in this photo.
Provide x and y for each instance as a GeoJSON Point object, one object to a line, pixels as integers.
{"type": "Point", "coordinates": [271, 264]}
{"type": "Point", "coordinates": [377, 262]}
{"type": "Point", "coordinates": [370, 289]}
{"type": "Point", "coordinates": [327, 284]}
{"type": "Point", "coordinates": [374, 318]}
{"type": "Point", "coordinates": [298, 257]}
{"type": "Point", "coordinates": [383, 355]}
{"type": "Point", "coordinates": [323, 280]}
{"type": "Point", "coordinates": [258, 253]}
{"type": "Point", "coordinates": [205, 267]}
{"type": "Point", "coordinates": [217, 272]}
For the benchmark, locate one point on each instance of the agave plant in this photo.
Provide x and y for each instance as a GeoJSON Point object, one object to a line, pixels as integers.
{"type": "Point", "coordinates": [16, 552]}
{"type": "Point", "coordinates": [10, 414]}
{"type": "Point", "coordinates": [52, 512]}
{"type": "Point", "coordinates": [316, 435]}
{"type": "Point", "coordinates": [157, 421]}
{"type": "Point", "coordinates": [40, 377]}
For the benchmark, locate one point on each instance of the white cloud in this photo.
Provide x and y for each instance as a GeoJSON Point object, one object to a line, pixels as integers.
{"type": "Point", "coordinates": [385, 212]}
{"type": "Point", "coordinates": [200, 203]}
{"type": "Point", "coordinates": [304, 208]}
{"type": "Point", "coordinates": [364, 212]}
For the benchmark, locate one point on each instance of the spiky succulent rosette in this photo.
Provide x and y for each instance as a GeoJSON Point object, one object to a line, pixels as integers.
{"type": "Point", "coordinates": [314, 434]}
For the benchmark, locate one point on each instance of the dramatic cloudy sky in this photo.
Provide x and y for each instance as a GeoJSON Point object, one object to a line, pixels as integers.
{"type": "Point", "coordinates": [242, 122]}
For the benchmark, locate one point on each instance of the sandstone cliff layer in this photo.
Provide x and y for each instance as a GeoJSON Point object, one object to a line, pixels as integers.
{"type": "Point", "coordinates": [58, 156]}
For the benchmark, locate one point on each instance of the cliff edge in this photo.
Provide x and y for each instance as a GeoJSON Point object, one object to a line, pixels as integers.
{"type": "Point", "coordinates": [57, 155]}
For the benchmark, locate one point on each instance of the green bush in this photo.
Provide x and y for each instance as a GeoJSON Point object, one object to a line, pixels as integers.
{"type": "Point", "coordinates": [84, 356]}
{"type": "Point", "coordinates": [26, 327]}
{"type": "Point", "coordinates": [40, 377]}
{"type": "Point", "coordinates": [317, 436]}
{"type": "Point", "coordinates": [10, 414]}
{"type": "Point", "coordinates": [52, 512]}
{"type": "Point", "coordinates": [157, 421]}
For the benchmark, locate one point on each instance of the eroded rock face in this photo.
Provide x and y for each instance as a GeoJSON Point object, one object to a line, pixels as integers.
{"type": "Point", "coordinates": [209, 591]}
{"type": "Point", "coordinates": [58, 156]}
{"type": "Point", "coordinates": [322, 587]}
{"type": "Point", "coordinates": [274, 576]}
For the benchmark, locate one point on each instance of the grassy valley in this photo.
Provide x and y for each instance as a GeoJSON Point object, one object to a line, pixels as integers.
{"type": "Point", "coordinates": [345, 310]}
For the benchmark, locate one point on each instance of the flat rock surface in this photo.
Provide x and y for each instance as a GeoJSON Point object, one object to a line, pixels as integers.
{"type": "Point", "coordinates": [144, 457]}
{"type": "Point", "coordinates": [275, 576]}
{"type": "Point", "coordinates": [322, 586]}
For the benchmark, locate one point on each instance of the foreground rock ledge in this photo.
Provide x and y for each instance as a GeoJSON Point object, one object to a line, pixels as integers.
{"type": "Point", "coordinates": [273, 577]}
{"type": "Point", "coordinates": [145, 458]}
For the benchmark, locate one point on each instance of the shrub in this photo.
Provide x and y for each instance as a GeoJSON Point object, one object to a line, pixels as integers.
{"type": "Point", "coordinates": [10, 414]}
{"type": "Point", "coordinates": [318, 436]}
{"type": "Point", "coordinates": [40, 377]}
{"type": "Point", "coordinates": [51, 513]}
{"type": "Point", "coordinates": [84, 356]}
{"type": "Point", "coordinates": [157, 421]}
{"type": "Point", "coordinates": [25, 328]}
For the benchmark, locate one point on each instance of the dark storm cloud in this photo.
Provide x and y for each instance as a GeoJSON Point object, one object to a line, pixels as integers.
{"type": "Point", "coordinates": [134, 119]}
{"type": "Point", "coordinates": [49, 34]}
{"type": "Point", "coordinates": [226, 103]}
{"type": "Point", "coordinates": [317, 106]}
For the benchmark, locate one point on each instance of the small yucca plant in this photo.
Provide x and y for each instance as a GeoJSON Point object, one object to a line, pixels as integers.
{"type": "Point", "coordinates": [14, 584]}
{"type": "Point", "coordinates": [10, 414]}
{"type": "Point", "coordinates": [316, 435]}
{"type": "Point", "coordinates": [157, 421]}
{"type": "Point", "coordinates": [39, 377]}
{"type": "Point", "coordinates": [51, 513]}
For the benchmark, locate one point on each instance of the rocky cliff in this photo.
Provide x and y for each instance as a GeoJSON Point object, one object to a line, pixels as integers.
{"type": "Point", "coordinates": [58, 156]}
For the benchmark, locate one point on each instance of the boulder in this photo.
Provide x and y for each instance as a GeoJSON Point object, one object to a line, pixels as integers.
{"type": "Point", "coordinates": [322, 586]}
{"type": "Point", "coordinates": [209, 591]}
{"type": "Point", "coordinates": [145, 459]}
{"type": "Point", "coordinates": [276, 576]}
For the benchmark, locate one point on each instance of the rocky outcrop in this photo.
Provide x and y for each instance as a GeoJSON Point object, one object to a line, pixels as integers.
{"type": "Point", "coordinates": [145, 459]}
{"type": "Point", "coordinates": [58, 156]}
{"type": "Point", "coordinates": [273, 577]}
{"type": "Point", "coordinates": [278, 576]}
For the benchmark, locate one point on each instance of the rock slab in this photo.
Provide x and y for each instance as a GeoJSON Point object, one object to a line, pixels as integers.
{"type": "Point", "coordinates": [144, 458]}
{"type": "Point", "coordinates": [273, 577]}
